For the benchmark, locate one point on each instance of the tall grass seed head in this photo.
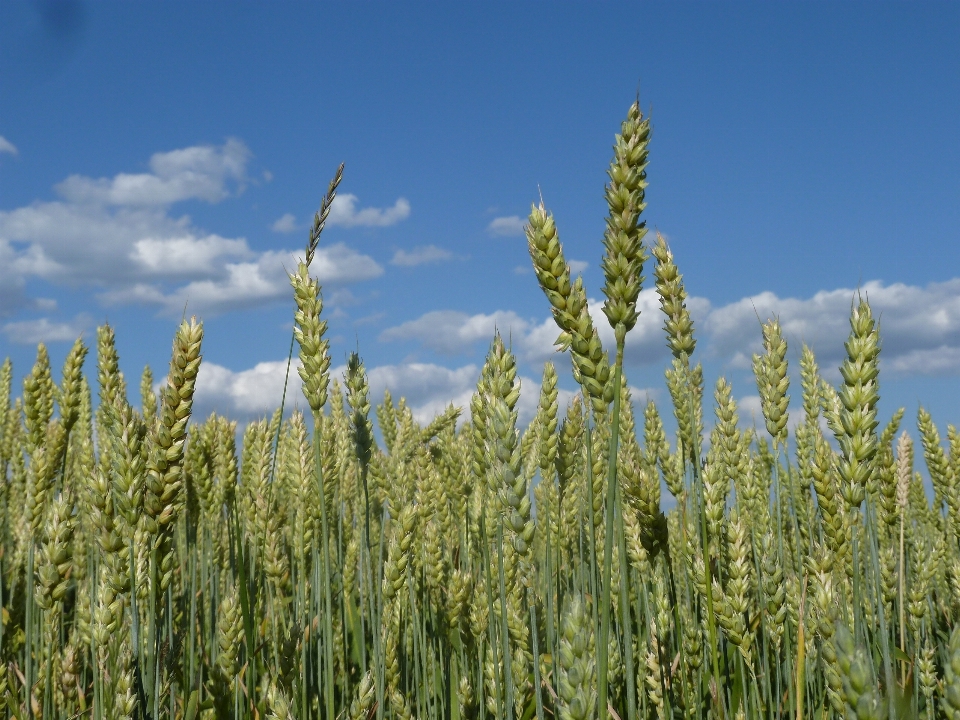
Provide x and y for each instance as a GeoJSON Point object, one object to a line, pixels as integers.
{"type": "Point", "coordinates": [164, 479]}
{"type": "Point", "coordinates": [148, 398]}
{"type": "Point", "coordinates": [673, 297]}
{"type": "Point", "coordinates": [624, 253]}
{"type": "Point", "coordinates": [552, 270]}
{"type": "Point", "coordinates": [357, 392]}
{"type": "Point", "coordinates": [770, 370]}
{"type": "Point", "coordinates": [577, 681]}
{"type": "Point", "coordinates": [309, 330]}
{"type": "Point", "coordinates": [6, 390]}
{"type": "Point", "coordinates": [904, 469]}
{"type": "Point", "coordinates": [108, 367]}
{"type": "Point", "coordinates": [38, 398]}
{"type": "Point", "coordinates": [547, 411]}
{"type": "Point", "coordinates": [70, 387]}
{"type": "Point", "coordinates": [569, 304]}
{"type": "Point", "coordinates": [858, 397]}
{"type": "Point", "coordinates": [320, 219]}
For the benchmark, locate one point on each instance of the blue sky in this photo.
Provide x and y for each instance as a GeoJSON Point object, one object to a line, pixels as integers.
{"type": "Point", "coordinates": [162, 155]}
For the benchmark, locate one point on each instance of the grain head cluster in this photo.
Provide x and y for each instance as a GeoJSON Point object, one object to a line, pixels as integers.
{"type": "Point", "coordinates": [155, 565]}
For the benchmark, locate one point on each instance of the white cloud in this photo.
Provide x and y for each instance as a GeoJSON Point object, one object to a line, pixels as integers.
{"type": "Point", "coordinates": [344, 212]}
{"type": "Point", "coordinates": [449, 332]}
{"type": "Point", "coordinates": [7, 147]}
{"type": "Point", "coordinates": [420, 255]}
{"type": "Point", "coordinates": [578, 266]}
{"type": "Point", "coordinates": [186, 255]}
{"type": "Point", "coordinates": [118, 235]}
{"type": "Point", "coordinates": [256, 391]}
{"type": "Point", "coordinates": [284, 224]}
{"type": "Point", "coordinates": [247, 284]}
{"type": "Point", "coordinates": [12, 283]}
{"type": "Point", "coordinates": [750, 410]}
{"type": "Point", "coordinates": [341, 264]}
{"type": "Point", "coordinates": [427, 388]}
{"type": "Point", "coordinates": [937, 361]}
{"type": "Point", "coordinates": [42, 330]}
{"type": "Point", "coordinates": [507, 226]}
{"type": "Point", "coordinates": [919, 328]}
{"type": "Point", "coordinates": [200, 172]}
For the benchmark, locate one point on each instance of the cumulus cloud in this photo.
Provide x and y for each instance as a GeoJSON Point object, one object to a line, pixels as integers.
{"type": "Point", "coordinates": [7, 147]}
{"type": "Point", "coordinates": [507, 226]}
{"type": "Point", "coordinates": [420, 255]}
{"type": "Point", "coordinates": [427, 388]}
{"type": "Point", "coordinates": [247, 284]}
{"type": "Point", "coordinates": [187, 255]}
{"type": "Point", "coordinates": [117, 234]}
{"type": "Point", "coordinates": [42, 330]}
{"type": "Point", "coordinates": [284, 224]}
{"type": "Point", "coordinates": [12, 283]}
{"type": "Point", "coordinates": [449, 332]}
{"type": "Point", "coordinates": [578, 266]}
{"type": "Point", "coordinates": [258, 390]}
{"type": "Point", "coordinates": [202, 172]}
{"type": "Point", "coordinates": [919, 327]}
{"type": "Point", "coordinates": [246, 393]}
{"type": "Point", "coordinates": [344, 212]}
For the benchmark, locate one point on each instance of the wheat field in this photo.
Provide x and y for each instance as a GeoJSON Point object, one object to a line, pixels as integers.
{"type": "Point", "coordinates": [152, 566]}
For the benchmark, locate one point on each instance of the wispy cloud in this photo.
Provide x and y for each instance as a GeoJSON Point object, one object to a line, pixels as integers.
{"type": "Point", "coordinates": [420, 255]}
{"type": "Point", "coordinates": [42, 330]}
{"type": "Point", "coordinates": [449, 332]}
{"type": "Point", "coordinates": [7, 147]}
{"type": "Point", "coordinates": [507, 226]}
{"type": "Point", "coordinates": [344, 212]}
{"type": "Point", "coordinates": [284, 224]}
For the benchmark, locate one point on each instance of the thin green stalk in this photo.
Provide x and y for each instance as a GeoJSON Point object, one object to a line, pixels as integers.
{"type": "Point", "coordinates": [788, 647]}
{"type": "Point", "coordinates": [325, 569]}
{"type": "Point", "coordinates": [591, 523]}
{"type": "Point", "coordinates": [881, 612]}
{"type": "Point", "coordinates": [283, 400]}
{"type": "Point", "coordinates": [536, 653]}
{"type": "Point", "coordinates": [625, 617]}
{"type": "Point", "coordinates": [191, 676]}
{"type": "Point", "coordinates": [29, 639]}
{"type": "Point", "coordinates": [678, 624]}
{"type": "Point", "coordinates": [607, 578]}
{"type": "Point", "coordinates": [548, 596]}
